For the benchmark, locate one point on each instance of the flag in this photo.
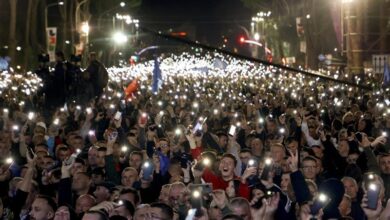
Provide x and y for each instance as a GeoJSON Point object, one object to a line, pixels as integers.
{"type": "Point", "coordinates": [157, 78]}
{"type": "Point", "coordinates": [386, 75]}
{"type": "Point", "coordinates": [131, 89]}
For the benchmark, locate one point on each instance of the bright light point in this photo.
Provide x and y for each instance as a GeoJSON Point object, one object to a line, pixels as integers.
{"type": "Point", "coordinates": [282, 130]}
{"type": "Point", "coordinates": [61, 3]}
{"type": "Point", "coordinates": [256, 36]}
{"type": "Point", "coordinates": [308, 16]}
{"type": "Point", "coordinates": [85, 28]}
{"type": "Point", "coordinates": [178, 131]}
{"type": "Point", "coordinates": [261, 120]}
{"type": "Point", "coordinates": [122, 4]}
{"type": "Point", "coordinates": [18, 48]}
{"type": "Point", "coordinates": [215, 111]}
{"type": "Point", "coordinates": [119, 38]}
{"type": "Point", "coordinates": [195, 105]}
{"type": "Point", "coordinates": [146, 164]}
{"type": "Point", "coordinates": [206, 161]}
{"type": "Point", "coordinates": [15, 127]}
{"type": "Point", "coordinates": [159, 103]}
{"type": "Point", "coordinates": [251, 162]}
{"type": "Point", "coordinates": [67, 42]}
{"type": "Point", "coordinates": [31, 115]}
{"type": "Point", "coordinates": [161, 113]}
{"type": "Point", "coordinates": [56, 121]}
{"type": "Point", "coordinates": [384, 134]}
{"type": "Point", "coordinates": [196, 194]}
{"type": "Point", "coordinates": [112, 106]}
{"type": "Point", "coordinates": [373, 187]}
{"type": "Point", "coordinates": [124, 149]}
{"type": "Point", "coordinates": [268, 161]}
{"type": "Point", "coordinates": [9, 160]}
{"type": "Point", "coordinates": [322, 197]}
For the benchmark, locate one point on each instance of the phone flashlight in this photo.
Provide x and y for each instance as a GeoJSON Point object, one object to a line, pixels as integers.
{"type": "Point", "coordinates": [215, 111]}
{"type": "Point", "coordinates": [195, 105]}
{"type": "Point", "coordinates": [112, 106]}
{"type": "Point", "coordinates": [196, 194]}
{"type": "Point", "coordinates": [9, 160]}
{"type": "Point", "coordinates": [159, 103]}
{"type": "Point", "coordinates": [370, 176]}
{"type": "Point", "coordinates": [295, 112]}
{"type": "Point", "coordinates": [56, 121]}
{"type": "Point", "coordinates": [6, 110]}
{"type": "Point", "coordinates": [91, 133]}
{"type": "Point", "coordinates": [78, 107]}
{"type": "Point", "coordinates": [206, 161]}
{"type": "Point", "coordinates": [384, 133]}
{"type": "Point", "coordinates": [15, 127]}
{"type": "Point", "coordinates": [251, 162]}
{"type": "Point", "coordinates": [124, 149]}
{"type": "Point", "coordinates": [282, 130]}
{"type": "Point", "coordinates": [62, 109]}
{"type": "Point", "coordinates": [31, 115]}
{"type": "Point", "coordinates": [268, 161]}
{"type": "Point", "coordinates": [261, 120]}
{"type": "Point", "coordinates": [146, 164]}
{"type": "Point", "coordinates": [178, 131]}
{"type": "Point", "coordinates": [89, 110]}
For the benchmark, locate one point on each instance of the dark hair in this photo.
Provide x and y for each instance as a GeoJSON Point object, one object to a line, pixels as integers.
{"type": "Point", "coordinates": [79, 160]}
{"type": "Point", "coordinates": [99, 171]}
{"type": "Point", "coordinates": [231, 156]}
{"type": "Point", "coordinates": [139, 153]}
{"type": "Point", "coordinates": [309, 158]}
{"type": "Point", "coordinates": [132, 191]}
{"type": "Point", "coordinates": [50, 201]}
{"type": "Point", "coordinates": [102, 214]}
{"type": "Point", "coordinates": [102, 149]}
{"type": "Point", "coordinates": [246, 150]}
{"type": "Point", "coordinates": [165, 209]}
{"type": "Point", "coordinates": [231, 217]}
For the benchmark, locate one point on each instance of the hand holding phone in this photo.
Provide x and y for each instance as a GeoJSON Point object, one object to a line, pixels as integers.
{"type": "Point", "coordinates": [319, 203]}
{"type": "Point", "coordinates": [118, 115]}
{"type": "Point", "coordinates": [373, 196]}
{"type": "Point", "coordinates": [147, 170]}
{"type": "Point", "coordinates": [232, 130]}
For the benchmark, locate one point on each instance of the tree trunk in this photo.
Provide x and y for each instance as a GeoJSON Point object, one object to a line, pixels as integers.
{"type": "Point", "coordinates": [28, 49]}
{"type": "Point", "coordinates": [12, 31]}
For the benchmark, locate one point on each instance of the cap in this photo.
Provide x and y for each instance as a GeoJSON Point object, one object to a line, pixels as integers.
{"type": "Point", "coordinates": [109, 185]}
{"type": "Point", "coordinates": [42, 124]}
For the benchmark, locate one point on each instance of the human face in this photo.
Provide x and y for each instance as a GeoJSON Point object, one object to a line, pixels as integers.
{"type": "Point", "coordinates": [129, 177]}
{"type": "Point", "coordinates": [91, 216]}
{"type": "Point", "coordinates": [352, 158]}
{"type": "Point", "coordinates": [84, 203]}
{"type": "Point", "coordinates": [351, 188]}
{"type": "Point", "coordinates": [384, 163]}
{"type": "Point", "coordinates": [78, 143]}
{"type": "Point", "coordinates": [47, 162]}
{"type": "Point", "coordinates": [243, 211]}
{"type": "Point", "coordinates": [141, 213]}
{"type": "Point", "coordinates": [257, 147]}
{"type": "Point", "coordinates": [156, 213]}
{"type": "Point", "coordinates": [78, 167]}
{"type": "Point", "coordinates": [343, 148]}
{"type": "Point", "coordinates": [176, 192]}
{"type": "Point", "coordinates": [100, 161]}
{"type": "Point", "coordinates": [101, 194]}
{"type": "Point", "coordinates": [92, 155]}
{"type": "Point", "coordinates": [285, 182]}
{"type": "Point", "coordinates": [223, 141]}
{"type": "Point", "coordinates": [80, 182]}
{"type": "Point", "coordinates": [309, 169]}
{"type": "Point", "coordinates": [135, 161]}
{"type": "Point", "coordinates": [164, 195]}
{"type": "Point", "coordinates": [164, 146]}
{"type": "Point", "coordinates": [62, 213]}
{"type": "Point", "coordinates": [226, 167]}
{"type": "Point", "coordinates": [277, 153]}
{"type": "Point", "coordinates": [40, 210]}
{"type": "Point", "coordinates": [244, 157]}
{"type": "Point", "coordinates": [63, 154]}
{"type": "Point", "coordinates": [293, 146]}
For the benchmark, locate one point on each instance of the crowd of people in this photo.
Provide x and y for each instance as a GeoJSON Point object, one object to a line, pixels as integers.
{"type": "Point", "coordinates": [234, 147]}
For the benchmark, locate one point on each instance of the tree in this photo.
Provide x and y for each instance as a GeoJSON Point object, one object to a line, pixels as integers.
{"type": "Point", "coordinates": [12, 31]}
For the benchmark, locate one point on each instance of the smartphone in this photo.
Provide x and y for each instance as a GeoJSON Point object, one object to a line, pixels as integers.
{"type": "Point", "coordinates": [359, 136]}
{"type": "Point", "coordinates": [267, 169]}
{"type": "Point", "coordinates": [232, 130]}
{"type": "Point", "coordinates": [372, 196]}
{"type": "Point", "coordinates": [319, 203]}
{"type": "Point", "coordinates": [197, 201]}
{"type": "Point", "coordinates": [148, 169]}
{"type": "Point", "coordinates": [184, 160]}
{"type": "Point", "coordinates": [205, 188]}
{"type": "Point", "coordinates": [118, 115]}
{"type": "Point", "coordinates": [252, 162]}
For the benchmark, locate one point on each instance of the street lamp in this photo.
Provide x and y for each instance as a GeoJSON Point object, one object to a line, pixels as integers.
{"type": "Point", "coordinates": [119, 38]}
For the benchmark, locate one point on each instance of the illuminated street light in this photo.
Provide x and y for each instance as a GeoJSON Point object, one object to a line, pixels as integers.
{"type": "Point", "coordinates": [85, 28]}
{"type": "Point", "coordinates": [119, 38]}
